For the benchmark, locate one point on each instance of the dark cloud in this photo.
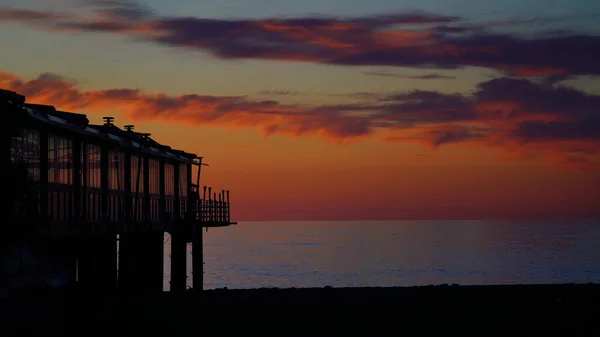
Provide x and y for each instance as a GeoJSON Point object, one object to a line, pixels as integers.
{"type": "Point", "coordinates": [527, 57]}
{"type": "Point", "coordinates": [30, 16]}
{"type": "Point", "coordinates": [412, 77]}
{"type": "Point", "coordinates": [52, 77]}
{"type": "Point", "coordinates": [122, 10]}
{"type": "Point", "coordinates": [421, 40]}
{"type": "Point", "coordinates": [278, 93]}
{"type": "Point", "coordinates": [587, 128]}
{"type": "Point", "coordinates": [445, 134]}
{"type": "Point", "coordinates": [455, 134]}
{"type": "Point", "coordinates": [531, 97]}
{"type": "Point", "coordinates": [425, 107]}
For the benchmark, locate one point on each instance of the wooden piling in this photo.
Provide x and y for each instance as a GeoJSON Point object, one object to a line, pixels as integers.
{"type": "Point", "coordinates": [97, 262]}
{"type": "Point", "coordinates": [141, 259]}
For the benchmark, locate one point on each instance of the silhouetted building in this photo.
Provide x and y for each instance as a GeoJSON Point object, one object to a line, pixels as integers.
{"type": "Point", "coordinates": [100, 181]}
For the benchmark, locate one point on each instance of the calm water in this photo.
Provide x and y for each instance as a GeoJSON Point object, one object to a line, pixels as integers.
{"type": "Point", "coordinates": [398, 253]}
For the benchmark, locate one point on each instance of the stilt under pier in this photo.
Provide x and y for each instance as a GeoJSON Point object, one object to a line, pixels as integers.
{"type": "Point", "coordinates": [97, 262]}
{"type": "Point", "coordinates": [62, 254]}
{"type": "Point", "coordinates": [141, 257]}
{"type": "Point", "coordinates": [198, 258]}
{"type": "Point", "coordinates": [178, 258]}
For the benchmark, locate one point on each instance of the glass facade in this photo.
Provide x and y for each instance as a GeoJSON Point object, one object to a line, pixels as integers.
{"type": "Point", "coordinates": [137, 187]}
{"type": "Point", "coordinates": [116, 167]}
{"type": "Point", "coordinates": [93, 183]}
{"type": "Point", "coordinates": [60, 160]}
{"type": "Point", "coordinates": [169, 188]}
{"type": "Point", "coordinates": [60, 177]}
{"type": "Point", "coordinates": [116, 185]}
{"type": "Point", "coordinates": [154, 185]}
{"type": "Point", "coordinates": [183, 188]}
{"type": "Point", "coordinates": [25, 148]}
{"type": "Point", "coordinates": [25, 154]}
{"type": "Point", "coordinates": [94, 169]}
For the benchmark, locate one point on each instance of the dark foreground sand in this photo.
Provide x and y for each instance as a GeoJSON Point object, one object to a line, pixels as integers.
{"type": "Point", "coordinates": [531, 310]}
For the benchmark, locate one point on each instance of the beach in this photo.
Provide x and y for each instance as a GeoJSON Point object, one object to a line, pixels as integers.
{"type": "Point", "coordinates": [515, 310]}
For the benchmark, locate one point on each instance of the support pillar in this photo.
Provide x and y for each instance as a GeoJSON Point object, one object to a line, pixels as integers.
{"type": "Point", "coordinates": [198, 258]}
{"type": "Point", "coordinates": [152, 262]}
{"type": "Point", "coordinates": [197, 244]}
{"type": "Point", "coordinates": [141, 258]}
{"type": "Point", "coordinates": [97, 262]}
{"type": "Point", "coordinates": [62, 259]}
{"type": "Point", "coordinates": [178, 258]}
{"type": "Point", "coordinates": [178, 242]}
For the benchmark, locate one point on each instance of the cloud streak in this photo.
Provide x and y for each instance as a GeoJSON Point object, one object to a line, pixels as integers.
{"type": "Point", "coordinates": [420, 40]}
{"type": "Point", "coordinates": [522, 116]}
{"type": "Point", "coordinates": [411, 77]}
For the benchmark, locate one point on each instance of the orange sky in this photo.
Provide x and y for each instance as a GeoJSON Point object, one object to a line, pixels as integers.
{"type": "Point", "coordinates": [333, 119]}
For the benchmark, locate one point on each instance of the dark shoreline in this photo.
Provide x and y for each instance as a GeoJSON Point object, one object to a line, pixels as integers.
{"type": "Point", "coordinates": [544, 310]}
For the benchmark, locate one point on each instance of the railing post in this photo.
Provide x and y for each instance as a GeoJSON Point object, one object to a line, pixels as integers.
{"type": "Point", "coordinates": [204, 205]}
{"type": "Point", "coordinates": [220, 207]}
{"type": "Point", "coordinates": [210, 205]}
{"type": "Point", "coordinates": [224, 207]}
{"type": "Point", "coordinates": [215, 208]}
{"type": "Point", "coordinates": [228, 209]}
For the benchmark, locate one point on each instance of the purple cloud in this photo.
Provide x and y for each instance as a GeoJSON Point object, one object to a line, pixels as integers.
{"type": "Point", "coordinates": [411, 77]}
{"type": "Point", "coordinates": [420, 40]}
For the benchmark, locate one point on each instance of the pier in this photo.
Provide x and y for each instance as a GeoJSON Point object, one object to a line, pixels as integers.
{"type": "Point", "coordinates": [81, 189]}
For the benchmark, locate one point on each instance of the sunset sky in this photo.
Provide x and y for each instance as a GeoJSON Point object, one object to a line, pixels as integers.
{"type": "Point", "coordinates": [338, 109]}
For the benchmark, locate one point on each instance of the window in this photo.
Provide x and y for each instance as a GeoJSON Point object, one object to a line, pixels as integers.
{"type": "Point", "coordinates": [154, 183]}
{"type": "Point", "coordinates": [60, 157]}
{"type": "Point", "coordinates": [183, 180]}
{"type": "Point", "coordinates": [169, 188]}
{"type": "Point", "coordinates": [169, 179]}
{"type": "Point", "coordinates": [94, 166]}
{"type": "Point", "coordinates": [154, 176]}
{"type": "Point", "coordinates": [25, 148]}
{"type": "Point", "coordinates": [137, 187]}
{"type": "Point", "coordinates": [137, 175]}
{"type": "Point", "coordinates": [116, 168]}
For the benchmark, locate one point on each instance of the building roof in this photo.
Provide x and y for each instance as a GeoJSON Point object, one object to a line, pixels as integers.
{"type": "Point", "coordinates": [79, 123]}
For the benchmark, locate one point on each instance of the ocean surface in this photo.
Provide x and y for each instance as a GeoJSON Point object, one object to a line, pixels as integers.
{"type": "Point", "coordinates": [398, 253]}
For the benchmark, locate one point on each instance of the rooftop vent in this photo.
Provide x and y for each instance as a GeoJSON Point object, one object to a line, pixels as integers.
{"type": "Point", "coordinates": [129, 127]}
{"type": "Point", "coordinates": [108, 120]}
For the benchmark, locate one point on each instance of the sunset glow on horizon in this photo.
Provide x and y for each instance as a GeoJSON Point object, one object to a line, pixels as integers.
{"type": "Point", "coordinates": [335, 110]}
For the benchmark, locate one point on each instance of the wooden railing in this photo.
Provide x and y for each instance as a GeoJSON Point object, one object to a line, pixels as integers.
{"type": "Point", "coordinates": [211, 210]}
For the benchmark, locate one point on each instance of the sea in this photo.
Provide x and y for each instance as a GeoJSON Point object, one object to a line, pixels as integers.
{"type": "Point", "coordinates": [397, 253]}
